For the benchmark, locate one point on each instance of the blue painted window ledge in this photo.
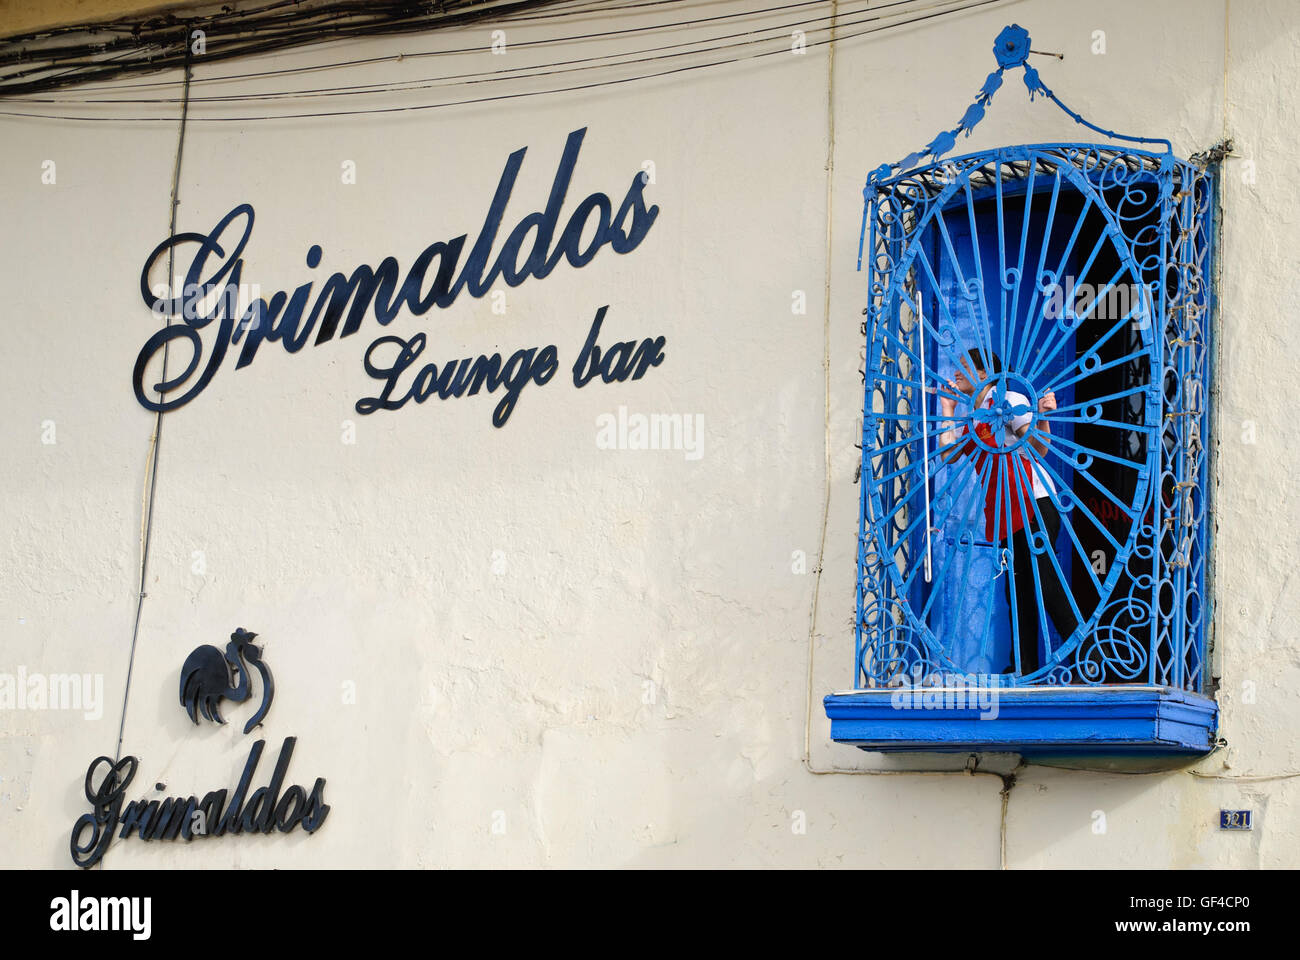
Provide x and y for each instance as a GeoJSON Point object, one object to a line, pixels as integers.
{"type": "Point", "coordinates": [1101, 719]}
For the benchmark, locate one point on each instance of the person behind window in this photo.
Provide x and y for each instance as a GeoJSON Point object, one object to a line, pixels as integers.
{"type": "Point", "coordinates": [1011, 511]}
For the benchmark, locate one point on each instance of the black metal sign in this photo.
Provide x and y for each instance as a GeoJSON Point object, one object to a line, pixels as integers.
{"type": "Point", "coordinates": [207, 677]}
{"type": "Point", "coordinates": [211, 294]}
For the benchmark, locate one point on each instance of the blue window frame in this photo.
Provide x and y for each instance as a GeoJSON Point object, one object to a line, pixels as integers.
{"type": "Point", "coordinates": [1069, 271]}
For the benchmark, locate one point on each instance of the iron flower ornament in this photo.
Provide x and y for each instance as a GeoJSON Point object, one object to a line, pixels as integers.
{"type": "Point", "coordinates": [1011, 46]}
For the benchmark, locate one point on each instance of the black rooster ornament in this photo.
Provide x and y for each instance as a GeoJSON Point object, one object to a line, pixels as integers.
{"type": "Point", "coordinates": [207, 677]}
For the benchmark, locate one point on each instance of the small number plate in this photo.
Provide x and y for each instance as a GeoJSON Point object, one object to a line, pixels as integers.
{"type": "Point", "coordinates": [1234, 819]}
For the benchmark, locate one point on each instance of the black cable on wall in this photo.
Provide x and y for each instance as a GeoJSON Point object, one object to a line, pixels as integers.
{"type": "Point", "coordinates": [155, 442]}
{"type": "Point", "coordinates": [43, 61]}
{"type": "Point", "coordinates": [883, 17]}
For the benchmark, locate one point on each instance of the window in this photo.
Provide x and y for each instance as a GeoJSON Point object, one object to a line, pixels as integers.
{"type": "Point", "coordinates": [1034, 477]}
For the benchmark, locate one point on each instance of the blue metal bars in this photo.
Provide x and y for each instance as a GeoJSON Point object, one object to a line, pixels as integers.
{"type": "Point", "coordinates": [1037, 345]}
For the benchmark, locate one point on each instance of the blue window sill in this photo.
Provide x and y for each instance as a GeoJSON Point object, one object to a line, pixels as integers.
{"type": "Point", "coordinates": [1027, 720]}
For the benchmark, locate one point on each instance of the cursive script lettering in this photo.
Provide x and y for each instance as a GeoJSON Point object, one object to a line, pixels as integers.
{"type": "Point", "coordinates": [457, 378]}
{"type": "Point", "coordinates": [173, 817]}
{"type": "Point", "coordinates": [216, 266]}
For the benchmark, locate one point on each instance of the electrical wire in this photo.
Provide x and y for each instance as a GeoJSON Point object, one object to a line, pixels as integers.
{"type": "Point", "coordinates": [562, 66]}
{"type": "Point", "coordinates": [966, 6]}
{"type": "Point", "coordinates": [90, 87]}
{"type": "Point", "coordinates": [339, 21]}
{"type": "Point", "coordinates": [151, 461]}
{"type": "Point", "coordinates": [546, 42]}
{"type": "Point", "coordinates": [311, 34]}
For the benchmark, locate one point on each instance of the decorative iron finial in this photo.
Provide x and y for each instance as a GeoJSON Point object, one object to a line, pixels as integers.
{"type": "Point", "coordinates": [1011, 49]}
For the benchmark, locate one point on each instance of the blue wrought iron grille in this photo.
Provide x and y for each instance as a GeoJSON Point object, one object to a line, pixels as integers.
{"type": "Point", "coordinates": [1034, 470]}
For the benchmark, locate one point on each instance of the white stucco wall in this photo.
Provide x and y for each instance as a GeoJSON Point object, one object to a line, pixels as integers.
{"type": "Point", "coordinates": [494, 601]}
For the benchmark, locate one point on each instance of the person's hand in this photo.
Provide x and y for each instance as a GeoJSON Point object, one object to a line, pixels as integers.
{"type": "Point", "coordinates": [1047, 402]}
{"type": "Point", "coordinates": [947, 405]}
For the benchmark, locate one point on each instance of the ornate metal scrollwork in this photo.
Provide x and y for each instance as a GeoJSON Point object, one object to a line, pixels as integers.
{"type": "Point", "coordinates": [976, 265]}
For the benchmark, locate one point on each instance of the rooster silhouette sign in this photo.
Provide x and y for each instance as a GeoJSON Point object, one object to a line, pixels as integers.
{"type": "Point", "coordinates": [209, 676]}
